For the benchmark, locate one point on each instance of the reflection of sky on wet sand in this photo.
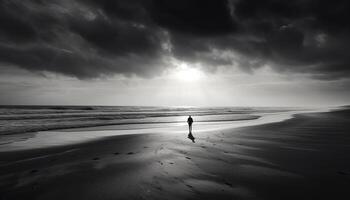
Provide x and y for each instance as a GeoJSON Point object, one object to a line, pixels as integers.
{"type": "Point", "coordinates": [57, 138]}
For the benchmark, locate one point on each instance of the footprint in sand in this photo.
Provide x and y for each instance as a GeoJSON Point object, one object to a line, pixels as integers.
{"type": "Point", "coordinates": [188, 158]}
{"type": "Point", "coordinates": [130, 153]}
{"type": "Point", "coordinates": [116, 153]}
{"type": "Point", "coordinates": [34, 171]}
{"type": "Point", "coordinates": [229, 184]}
{"type": "Point", "coordinates": [342, 173]}
{"type": "Point", "coordinates": [96, 158]}
{"type": "Point", "coordinates": [35, 186]}
{"type": "Point", "coordinates": [183, 152]}
{"type": "Point", "coordinates": [171, 163]}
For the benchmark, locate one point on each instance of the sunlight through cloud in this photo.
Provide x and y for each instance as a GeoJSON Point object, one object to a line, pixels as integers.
{"type": "Point", "coordinates": [186, 73]}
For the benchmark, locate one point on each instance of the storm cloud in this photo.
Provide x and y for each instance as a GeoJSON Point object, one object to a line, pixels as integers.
{"type": "Point", "coordinates": [94, 38]}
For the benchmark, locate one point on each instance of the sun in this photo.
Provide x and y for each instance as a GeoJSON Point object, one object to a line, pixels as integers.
{"type": "Point", "coordinates": [189, 74]}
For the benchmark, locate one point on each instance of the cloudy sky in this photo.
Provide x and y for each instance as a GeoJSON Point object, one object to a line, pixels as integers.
{"type": "Point", "coordinates": [183, 52]}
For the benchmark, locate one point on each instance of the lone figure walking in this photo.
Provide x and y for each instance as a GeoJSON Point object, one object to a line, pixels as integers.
{"type": "Point", "coordinates": [190, 121]}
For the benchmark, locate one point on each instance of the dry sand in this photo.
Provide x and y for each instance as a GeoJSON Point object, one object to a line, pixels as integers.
{"type": "Point", "coordinates": [307, 157]}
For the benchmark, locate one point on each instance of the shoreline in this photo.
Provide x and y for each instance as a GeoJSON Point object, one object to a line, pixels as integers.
{"type": "Point", "coordinates": [27, 119]}
{"type": "Point", "coordinates": [71, 136]}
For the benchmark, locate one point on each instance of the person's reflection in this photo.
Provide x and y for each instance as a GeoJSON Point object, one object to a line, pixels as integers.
{"type": "Point", "coordinates": [190, 121]}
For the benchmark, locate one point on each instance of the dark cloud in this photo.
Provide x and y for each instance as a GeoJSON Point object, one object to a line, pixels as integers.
{"type": "Point", "coordinates": [14, 28]}
{"type": "Point", "coordinates": [195, 17]}
{"type": "Point", "coordinates": [95, 38]}
{"type": "Point", "coordinates": [77, 39]}
{"type": "Point", "coordinates": [290, 36]}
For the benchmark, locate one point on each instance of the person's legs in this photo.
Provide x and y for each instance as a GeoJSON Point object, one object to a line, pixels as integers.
{"type": "Point", "coordinates": [190, 128]}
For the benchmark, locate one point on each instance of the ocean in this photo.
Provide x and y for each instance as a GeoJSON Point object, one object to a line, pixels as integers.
{"type": "Point", "coordinates": [24, 119]}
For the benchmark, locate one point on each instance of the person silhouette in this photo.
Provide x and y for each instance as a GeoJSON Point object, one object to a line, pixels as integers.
{"type": "Point", "coordinates": [190, 121]}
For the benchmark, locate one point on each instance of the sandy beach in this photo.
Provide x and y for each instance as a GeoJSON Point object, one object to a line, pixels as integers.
{"type": "Point", "coordinates": [306, 157]}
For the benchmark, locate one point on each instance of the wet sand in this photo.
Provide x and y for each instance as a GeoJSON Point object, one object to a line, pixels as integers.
{"type": "Point", "coordinates": [307, 157]}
